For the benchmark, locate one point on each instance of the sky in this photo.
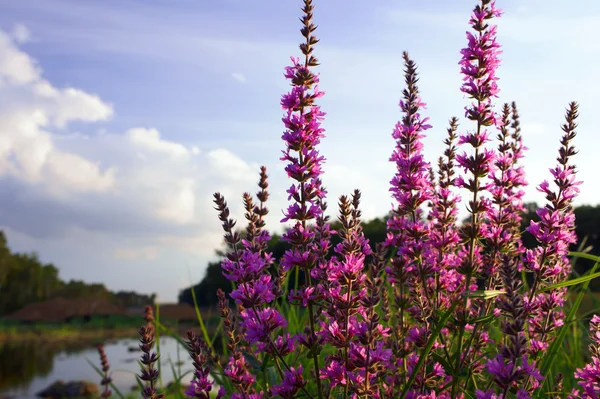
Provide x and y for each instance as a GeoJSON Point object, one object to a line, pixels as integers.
{"type": "Point", "coordinates": [120, 119]}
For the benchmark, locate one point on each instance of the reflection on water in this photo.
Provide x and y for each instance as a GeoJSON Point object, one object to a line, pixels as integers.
{"type": "Point", "coordinates": [27, 368]}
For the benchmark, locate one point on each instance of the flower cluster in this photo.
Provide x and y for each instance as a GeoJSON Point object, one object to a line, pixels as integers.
{"type": "Point", "coordinates": [105, 367]}
{"type": "Point", "coordinates": [438, 309]}
{"type": "Point", "coordinates": [149, 358]}
{"type": "Point", "coordinates": [589, 376]}
{"type": "Point", "coordinates": [555, 232]}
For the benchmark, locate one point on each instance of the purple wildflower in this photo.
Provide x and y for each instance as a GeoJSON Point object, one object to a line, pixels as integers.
{"type": "Point", "coordinates": [149, 373]}
{"type": "Point", "coordinates": [411, 187]}
{"type": "Point", "coordinates": [554, 232]}
{"type": "Point", "coordinates": [259, 324]}
{"type": "Point", "coordinates": [503, 218]}
{"type": "Point", "coordinates": [589, 376]}
{"type": "Point", "coordinates": [291, 384]}
{"type": "Point", "coordinates": [105, 367]}
{"type": "Point", "coordinates": [201, 386]}
{"type": "Point", "coordinates": [478, 65]}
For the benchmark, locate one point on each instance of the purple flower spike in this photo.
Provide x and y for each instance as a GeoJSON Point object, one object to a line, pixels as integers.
{"type": "Point", "coordinates": [555, 231]}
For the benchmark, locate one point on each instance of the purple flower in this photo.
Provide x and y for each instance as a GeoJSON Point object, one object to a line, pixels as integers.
{"type": "Point", "coordinates": [253, 293]}
{"type": "Point", "coordinates": [199, 388]}
{"type": "Point", "coordinates": [336, 373]}
{"type": "Point", "coordinates": [259, 324]}
{"type": "Point", "coordinates": [478, 65]}
{"type": "Point", "coordinates": [554, 232]}
{"type": "Point", "coordinates": [290, 385]}
{"type": "Point", "coordinates": [589, 376]}
{"type": "Point", "coordinates": [411, 187]}
{"type": "Point", "coordinates": [237, 371]}
{"type": "Point", "coordinates": [507, 373]}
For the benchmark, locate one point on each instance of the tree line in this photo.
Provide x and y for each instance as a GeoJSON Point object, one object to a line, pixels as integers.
{"type": "Point", "coordinates": [587, 230]}
{"type": "Point", "coordinates": [24, 279]}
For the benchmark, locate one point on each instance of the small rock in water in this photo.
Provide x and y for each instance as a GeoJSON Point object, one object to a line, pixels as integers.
{"type": "Point", "coordinates": [71, 389]}
{"type": "Point", "coordinates": [134, 349]}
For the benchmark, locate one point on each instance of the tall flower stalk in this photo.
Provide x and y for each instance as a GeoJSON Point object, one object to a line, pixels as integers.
{"type": "Point", "coordinates": [480, 60]}
{"type": "Point", "coordinates": [105, 367]}
{"type": "Point", "coordinates": [443, 231]}
{"type": "Point", "coordinates": [554, 232]}
{"type": "Point", "coordinates": [303, 134]}
{"type": "Point", "coordinates": [149, 358]}
{"type": "Point", "coordinates": [410, 271]}
{"type": "Point", "coordinates": [589, 376]}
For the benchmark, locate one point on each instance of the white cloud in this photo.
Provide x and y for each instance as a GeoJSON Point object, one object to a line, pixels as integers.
{"type": "Point", "coordinates": [16, 67]}
{"type": "Point", "coordinates": [179, 206]}
{"type": "Point", "coordinates": [32, 107]}
{"type": "Point", "coordinates": [75, 172]}
{"type": "Point", "coordinates": [230, 165]}
{"type": "Point", "coordinates": [119, 174]}
{"type": "Point", "coordinates": [69, 105]}
{"type": "Point", "coordinates": [149, 139]}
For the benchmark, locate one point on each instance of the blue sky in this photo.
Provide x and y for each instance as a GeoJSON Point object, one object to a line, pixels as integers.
{"type": "Point", "coordinates": [119, 119]}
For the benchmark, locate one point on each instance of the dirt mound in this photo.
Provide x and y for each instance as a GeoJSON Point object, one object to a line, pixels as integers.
{"type": "Point", "coordinates": [72, 389]}
{"type": "Point", "coordinates": [60, 309]}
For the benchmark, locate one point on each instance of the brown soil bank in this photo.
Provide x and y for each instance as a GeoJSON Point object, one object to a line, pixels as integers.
{"type": "Point", "coordinates": [59, 310]}
{"type": "Point", "coordinates": [64, 335]}
{"type": "Point", "coordinates": [67, 334]}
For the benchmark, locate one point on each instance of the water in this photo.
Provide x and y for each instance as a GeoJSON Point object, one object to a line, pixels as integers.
{"type": "Point", "coordinates": [26, 369]}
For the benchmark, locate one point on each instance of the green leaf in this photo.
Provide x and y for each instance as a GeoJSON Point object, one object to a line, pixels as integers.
{"type": "Point", "coordinates": [552, 352]}
{"type": "Point", "coordinates": [140, 383]}
{"type": "Point", "coordinates": [252, 361]}
{"type": "Point", "coordinates": [444, 362]}
{"type": "Point", "coordinates": [265, 362]}
{"type": "Point", "coordinates": [157, 340]}
{"type": "Point", "coordinates": [172, 334]}
{"type": "Point", "coordinates": [177, 382]}
{"type": "Point", "coordinates": [467, 394]}
{"type": "Point", "coordinates": [172, 368]}
{"type": "Point", "coordinates": [101, 374]}
{"type": "Point", "coordinates": [200, 320]}
{"type": "Point", "coordinates": [425, 352]}
{"type": "Point", "coordinates": [584, 256]}
{"type": "Point", "coordinates": [484, 294]}
{"type": "Point", "coordinates": [314, 350]}
{"type": "Point", "coordinates": [482, 319]}
{"type": "Point", "coordinates": [568, 283]}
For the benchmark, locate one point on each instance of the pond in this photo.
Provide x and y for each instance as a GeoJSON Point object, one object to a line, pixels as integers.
{"type": "Point", "coordinates": [28, 368]}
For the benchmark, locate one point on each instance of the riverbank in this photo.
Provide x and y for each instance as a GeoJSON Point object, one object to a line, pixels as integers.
{"type": "Point", "coordinates": [76, 333]}
{"type": "Point", "coordinates": [63, 334]}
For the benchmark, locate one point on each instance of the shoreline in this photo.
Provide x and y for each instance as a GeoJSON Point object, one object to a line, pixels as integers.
{"type": "Point", "coordinates": [57, 335]}
{"type": "Point", "coordinates": [61, 335]}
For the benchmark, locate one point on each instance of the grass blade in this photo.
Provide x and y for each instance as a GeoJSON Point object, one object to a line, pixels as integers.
{"type": "Point", "coordinates": [101, 374]}
{"type": "Point", "coordinates": [427, 348]}
{"type": "Point", "coordinates": [484, 294]}
{"type": "Point", "coordinates": [157, 337]}
{"type": "Point", "coordinates": [553, 350]}
{"type": "Point", "coordinates": [200, 320]}
{"type": "Point", "coordinates": [584, 255]}
{"type": "Point", "coordinates": [568, 283]}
